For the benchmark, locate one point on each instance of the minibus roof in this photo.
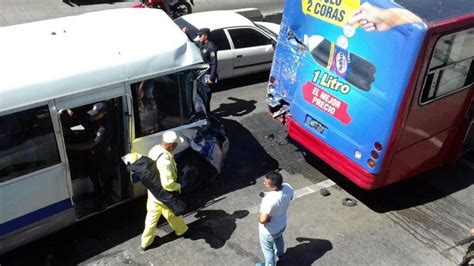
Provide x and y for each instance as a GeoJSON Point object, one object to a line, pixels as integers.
{"type": "Point", "coordinates": [54, 58]}
{"type": "Point", "coordinates": [430, 10]}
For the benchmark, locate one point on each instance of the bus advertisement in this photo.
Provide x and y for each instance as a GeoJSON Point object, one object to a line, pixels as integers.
{"type": "Point", "coordinates": [380, 90]}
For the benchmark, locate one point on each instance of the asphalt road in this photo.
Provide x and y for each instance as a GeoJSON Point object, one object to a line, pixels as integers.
{"type": "Point", "coordinates": [411, 223]}
{"type": "Point", "coordinates": [23, 11]}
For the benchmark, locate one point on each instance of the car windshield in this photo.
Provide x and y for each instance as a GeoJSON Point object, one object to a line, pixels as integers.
{"type": "Point", "coordinates": [192, 31]}
{"type": "Point", "coordinates": [265, 29]}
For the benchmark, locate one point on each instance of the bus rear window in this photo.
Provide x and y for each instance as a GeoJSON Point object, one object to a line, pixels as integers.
{"type": "Point", "coordinates": [451, 67]}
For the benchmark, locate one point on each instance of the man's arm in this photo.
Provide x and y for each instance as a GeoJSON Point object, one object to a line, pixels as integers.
{"type": "Point", "coordinates": [263, 218]}
{"type": "Point", "coordinates": [213, 63]}
{"type": "Point", "coordinates": [265, 209]}
{"type": "Point", "coordinates": [99, 137]}
{"type": "Point", "coordinates": [167, 175]}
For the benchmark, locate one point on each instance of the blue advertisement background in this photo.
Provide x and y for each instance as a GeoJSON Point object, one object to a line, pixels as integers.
{"type": "Point", "coordinates": [393, 53]}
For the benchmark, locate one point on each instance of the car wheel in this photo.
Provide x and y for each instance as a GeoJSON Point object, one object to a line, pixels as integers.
{"type": "Point", "coordinates": [183, 9]}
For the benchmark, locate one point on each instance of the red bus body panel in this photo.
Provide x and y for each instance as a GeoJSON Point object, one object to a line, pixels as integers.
{"type": "Point", "coordinates": [423, 137]}
{"type": "Point", "coordinates": [332, 157]}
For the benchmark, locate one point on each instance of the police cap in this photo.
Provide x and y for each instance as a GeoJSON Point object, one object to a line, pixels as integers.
{"type": "Point", "coordinates": [97, 109]}
{"type": "Point", "coordinates": [204, 31]}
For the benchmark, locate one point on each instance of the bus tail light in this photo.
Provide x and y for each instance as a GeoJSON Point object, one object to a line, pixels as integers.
{"type": "Point", "coordinates": [371, 163]}
{"type": "Point", "coordinates": [272, 79]}
{"type": "Point", "coordinates": [378, 146]}
{"type": "Point", "coordinates": [374, 154]}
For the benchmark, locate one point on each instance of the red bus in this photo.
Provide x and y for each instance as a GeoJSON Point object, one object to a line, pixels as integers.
{"type": "Point", "coordinates": [381, 90]}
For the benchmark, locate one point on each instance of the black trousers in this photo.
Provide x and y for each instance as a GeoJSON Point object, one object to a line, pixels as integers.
{"type": "Point", "coordinates": [102, 168]}
{"type": "Point", "coordinates": [206, 94]}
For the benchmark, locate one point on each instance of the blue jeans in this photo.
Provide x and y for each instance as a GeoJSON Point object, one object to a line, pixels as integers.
{"type": "Point", "coordinates": [272, 244]}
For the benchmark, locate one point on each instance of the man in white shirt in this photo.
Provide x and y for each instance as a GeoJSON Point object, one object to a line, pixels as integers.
{"type": "Point", "coordinates": [272, 217]}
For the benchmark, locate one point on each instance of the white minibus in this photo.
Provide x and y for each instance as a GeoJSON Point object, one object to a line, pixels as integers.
{"type": "Point", "coordinates": [135, 61]}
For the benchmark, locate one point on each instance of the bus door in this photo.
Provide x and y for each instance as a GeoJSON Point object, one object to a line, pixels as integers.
{"type": "Point", "coordinates": [440, 113]}
{"type": "Point", "coordinates": [99, 179]}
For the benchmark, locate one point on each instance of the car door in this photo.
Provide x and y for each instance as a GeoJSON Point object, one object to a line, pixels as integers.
{"type": "Point", "coordinates": [225, 55]}
{"type": "Point", "coordinates": [253, 50]}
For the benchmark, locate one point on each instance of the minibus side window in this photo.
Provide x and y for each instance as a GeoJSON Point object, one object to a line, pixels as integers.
{"type": "Point", "coordinates": [451, 67]}
{"type": "Point", "coordinates": [27, 142]}
{"type": "Point", "coordinates": [157, 105]}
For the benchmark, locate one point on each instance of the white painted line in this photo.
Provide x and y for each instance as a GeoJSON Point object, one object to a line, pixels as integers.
{"type": "Point", "coordinates": [313, 188]}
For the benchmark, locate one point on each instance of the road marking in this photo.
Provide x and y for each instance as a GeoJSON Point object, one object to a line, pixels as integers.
{"type": "Point", "coordinates": [313, 188]}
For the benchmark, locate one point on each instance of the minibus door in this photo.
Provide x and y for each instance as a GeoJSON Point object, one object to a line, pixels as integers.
{"type": "Point", "coordinates": [94, 148]}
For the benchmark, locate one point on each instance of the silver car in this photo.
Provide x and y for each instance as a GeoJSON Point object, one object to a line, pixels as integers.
{"type": "Point", "coordinates": [244, 47]}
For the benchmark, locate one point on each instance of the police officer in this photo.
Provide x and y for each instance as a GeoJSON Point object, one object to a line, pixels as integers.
{"type": "Point", "coordinates": [209, 55]}
{"type": "Point", "coordinates": [100, 162]}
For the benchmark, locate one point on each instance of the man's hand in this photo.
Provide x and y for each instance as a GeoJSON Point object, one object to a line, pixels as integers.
{"type": "Point", "coordinates": [472, 231]}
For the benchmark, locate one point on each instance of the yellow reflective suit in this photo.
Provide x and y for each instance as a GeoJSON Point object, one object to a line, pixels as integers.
{"type": "Point", "coordinates": [168, 175]}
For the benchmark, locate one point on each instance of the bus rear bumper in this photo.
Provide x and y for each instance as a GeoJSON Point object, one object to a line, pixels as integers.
{"type": "Point", "coordinates": [335, 159]}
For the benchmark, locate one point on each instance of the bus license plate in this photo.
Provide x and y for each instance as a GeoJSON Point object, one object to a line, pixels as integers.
{"type": "Point", "coordinates": [317, 125]}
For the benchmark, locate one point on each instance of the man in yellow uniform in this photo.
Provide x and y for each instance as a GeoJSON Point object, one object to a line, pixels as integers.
{"type": "Point", "coordinates": [166, 165]}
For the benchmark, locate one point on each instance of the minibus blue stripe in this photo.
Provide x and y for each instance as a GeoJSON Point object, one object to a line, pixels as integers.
{"type": "Point", "coordinates": [35, 216]}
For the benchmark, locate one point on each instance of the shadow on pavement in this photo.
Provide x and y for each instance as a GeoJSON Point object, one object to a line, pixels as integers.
{"type": "Point", "coordinates": [238, 107]}
{"type": "Point", "coordinates": [307, 252]}
{"type": "Point", "coordinates": [425, 188]}
{"type": "Point", "coordinates": [214, 226]}
{"type": "Point", "coordinates": [246, 161]}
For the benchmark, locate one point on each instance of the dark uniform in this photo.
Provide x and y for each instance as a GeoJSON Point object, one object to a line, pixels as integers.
{"type": "Point", "coordinates": [101, 159]}
{"type": "Point", "coordinates": [209, 55]}
{"type": "Point", "coordinates": [100, 162]}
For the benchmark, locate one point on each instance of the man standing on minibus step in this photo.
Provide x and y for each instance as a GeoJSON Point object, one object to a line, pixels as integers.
{"type": "Point", "coordinates": [272, 218]}
{"type": "Point", "coordinates": [209, 55]}
{"type": "Point", "coordinates": [100, 166]}
{"type": "Point", "coordinates": [166, 165]}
